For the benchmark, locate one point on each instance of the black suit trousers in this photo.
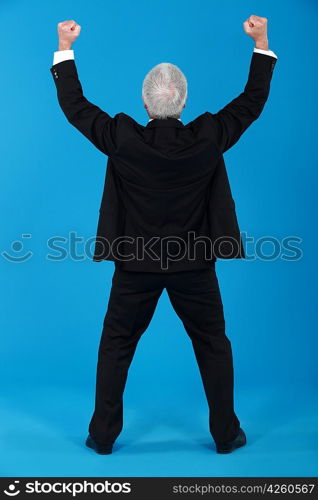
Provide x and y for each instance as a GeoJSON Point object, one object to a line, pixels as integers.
{"type": "Point", "coordinates": [196, 298]}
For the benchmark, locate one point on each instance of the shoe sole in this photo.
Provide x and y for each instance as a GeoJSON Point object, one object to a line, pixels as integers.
{"type": "Point", "coordinates": [231, 451]}
{"type": "Point", "coordinates": [92, 447]}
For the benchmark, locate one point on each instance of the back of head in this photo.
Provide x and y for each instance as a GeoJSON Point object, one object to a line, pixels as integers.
{"type": "Point", "coordinates": [164, 91]}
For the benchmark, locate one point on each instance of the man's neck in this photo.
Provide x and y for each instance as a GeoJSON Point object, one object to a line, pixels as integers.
{"type": "Point", "coordinates": [160, 118]}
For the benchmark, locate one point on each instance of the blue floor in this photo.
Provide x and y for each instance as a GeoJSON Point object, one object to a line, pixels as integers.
{"type": "Point", "coordinates": [43, 432]}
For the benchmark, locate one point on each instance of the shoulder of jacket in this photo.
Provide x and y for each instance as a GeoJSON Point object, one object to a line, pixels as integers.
{"type": "Point", "coordinates": [199, 120]}
{"type": "Point", "coordinates": [124, 118]}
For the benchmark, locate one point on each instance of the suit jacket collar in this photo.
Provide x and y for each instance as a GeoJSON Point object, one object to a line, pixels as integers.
{"type": "Point", "coordinates": [166, 122]}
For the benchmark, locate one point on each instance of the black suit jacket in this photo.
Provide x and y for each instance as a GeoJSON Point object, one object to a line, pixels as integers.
{"type": "Point", "coordinates": [167, 203]}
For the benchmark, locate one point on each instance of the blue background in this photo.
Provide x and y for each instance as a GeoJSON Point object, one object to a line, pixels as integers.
{"type": "Point", "coordinates": [51, 184]}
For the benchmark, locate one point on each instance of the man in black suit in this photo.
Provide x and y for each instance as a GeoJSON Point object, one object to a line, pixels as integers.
{"type": "Point", "coordinates": [166, 215]}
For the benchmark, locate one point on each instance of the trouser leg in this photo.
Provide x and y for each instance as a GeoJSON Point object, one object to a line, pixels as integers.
{"type": "Point", "coordinates": [196, 298]}
{"type": "Point", "coordinates": [131, 305]}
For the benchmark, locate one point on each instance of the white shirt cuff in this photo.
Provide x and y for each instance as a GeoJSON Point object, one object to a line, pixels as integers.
{"type": "Point", "coordinates": [62, 55]}
{"type": "Point", "coordinates": [266, 52]}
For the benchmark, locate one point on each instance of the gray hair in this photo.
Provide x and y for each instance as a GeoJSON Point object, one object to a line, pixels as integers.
{"type": "Point", "coordinates": [164, 90]}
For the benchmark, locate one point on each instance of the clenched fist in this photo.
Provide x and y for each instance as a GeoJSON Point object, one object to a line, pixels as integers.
{"type": "Point", "coordinates": [68, 31]}
{"type": "Point", "coordinates": [256, 28]}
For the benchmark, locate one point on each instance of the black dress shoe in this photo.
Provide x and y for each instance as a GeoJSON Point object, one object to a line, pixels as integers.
{"type": "Point", "coordinates": [239, 441]}
{"type": "Point", "coordinates": [102, 449]}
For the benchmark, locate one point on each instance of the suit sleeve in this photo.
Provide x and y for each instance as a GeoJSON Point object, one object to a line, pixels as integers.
{"type": "Point", "coordinates": [230, 122]}
{"type": "Point", "coordinates": [94, 123]}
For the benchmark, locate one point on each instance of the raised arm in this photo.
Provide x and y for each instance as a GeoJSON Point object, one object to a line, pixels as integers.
{"type": "Point", "coordinates": [90, 120]}
{"type": "Point", "coordinates": [232, 120]}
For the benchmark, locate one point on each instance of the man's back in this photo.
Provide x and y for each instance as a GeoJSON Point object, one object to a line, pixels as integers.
{"type": "Point", "coordinates": [164, 173]}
